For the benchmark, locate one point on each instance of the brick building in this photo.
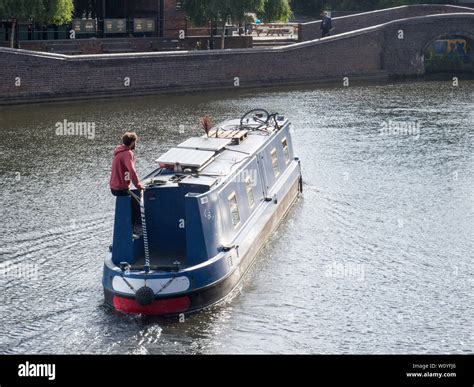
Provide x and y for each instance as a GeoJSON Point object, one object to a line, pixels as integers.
{"type": "Point", "coordinates": [109, 19]}
{"type": "Point", "coordinates": [166, 14]}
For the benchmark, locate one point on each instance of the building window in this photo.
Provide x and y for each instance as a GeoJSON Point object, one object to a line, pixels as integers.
{"type": "Point", "coordinates": [276, 168]}
{"type": "Point", "coordinates": [234, 209]}
{"type": "Point", "coordinates": [249, 189]}
{"type": "Point", "coordinates": [286, 150]}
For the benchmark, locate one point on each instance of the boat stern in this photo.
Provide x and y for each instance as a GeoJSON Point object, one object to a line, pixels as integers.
{"type": "Point", "coordinates": [146, 293]}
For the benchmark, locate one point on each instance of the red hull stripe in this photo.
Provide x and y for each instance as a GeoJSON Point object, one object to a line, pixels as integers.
{"type": "Point", "coordinates": [172, 305]}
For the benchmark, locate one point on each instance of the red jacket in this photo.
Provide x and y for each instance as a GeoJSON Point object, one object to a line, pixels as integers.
{"type": "Point", "coordinates": [123, 169]}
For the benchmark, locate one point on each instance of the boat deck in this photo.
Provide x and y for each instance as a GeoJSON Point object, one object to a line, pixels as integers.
{"type": "Point", "coordinates": [160, 262]}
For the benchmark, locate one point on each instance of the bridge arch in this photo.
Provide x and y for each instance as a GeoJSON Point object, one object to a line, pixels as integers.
{"type": "Point", "coordinates": [428, 47]}
{"type": "Point", "coordinates": [407, 56]}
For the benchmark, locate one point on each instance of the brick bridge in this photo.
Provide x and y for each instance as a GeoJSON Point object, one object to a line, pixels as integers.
{"type": "Point", "coordinates": [310, 31]}
{"type": "Point", "coordinates": [393, 48]}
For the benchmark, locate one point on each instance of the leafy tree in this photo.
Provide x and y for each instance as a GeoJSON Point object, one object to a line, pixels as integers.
{"type": "Point", "coordinates": [307, 7]}
{"type": "Point", "coordinates": [40, 11]}
{"type": "Point", "coordinates": [218, 12]}
{"type": "Point", "coordinates": [275, 10]}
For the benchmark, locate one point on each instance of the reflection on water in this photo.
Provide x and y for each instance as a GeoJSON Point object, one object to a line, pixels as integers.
{"type": "Point", "coordinates": [376, 257]}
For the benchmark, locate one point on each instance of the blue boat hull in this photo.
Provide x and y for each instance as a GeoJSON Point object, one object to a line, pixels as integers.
{"type": "Point", "coordinates": [197, 287]}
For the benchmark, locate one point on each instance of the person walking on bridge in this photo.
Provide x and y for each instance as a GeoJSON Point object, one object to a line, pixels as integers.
{"type": "Point", "coordinates": [326, 24]}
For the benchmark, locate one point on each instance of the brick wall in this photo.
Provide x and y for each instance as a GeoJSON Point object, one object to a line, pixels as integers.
{"type": "Point", "coordinates": [375, 51]}
{"type": "Point", "coordinates": [100, 46]}
{"type": "Point", "coordinates": [310, 31]}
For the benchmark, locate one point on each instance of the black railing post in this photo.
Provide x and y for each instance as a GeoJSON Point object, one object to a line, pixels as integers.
{"type": "Point", "coordinates": [161, 17]}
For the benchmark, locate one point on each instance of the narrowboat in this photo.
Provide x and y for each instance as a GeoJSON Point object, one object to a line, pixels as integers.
{"type": "Point", "coordinates": [185, 241]}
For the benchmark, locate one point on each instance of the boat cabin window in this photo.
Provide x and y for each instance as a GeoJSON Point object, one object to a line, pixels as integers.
{"type": "Point", "coordinates": [249, 189]}
{"type": "Point", "coordinates": [286, 151]}
{"type": "Point", "coordinates": [276, 168]}
{"type": "Point", "coordinates": [234, 209]}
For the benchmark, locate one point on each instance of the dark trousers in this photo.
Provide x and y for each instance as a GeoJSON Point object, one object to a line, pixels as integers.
{"type": "Point", "coordinates": [325, 33]}
{"type": "Point", "coordinates": [136, 219]}
{"type": "Point", "coordinates": [120, 192]}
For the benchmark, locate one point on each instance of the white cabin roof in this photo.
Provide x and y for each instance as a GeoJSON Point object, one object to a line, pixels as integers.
{"type": "Point", "coordinates": [215, 158]}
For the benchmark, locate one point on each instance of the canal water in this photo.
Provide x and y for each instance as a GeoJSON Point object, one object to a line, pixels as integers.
{"type": "Point", "coordinates": [376, 256]}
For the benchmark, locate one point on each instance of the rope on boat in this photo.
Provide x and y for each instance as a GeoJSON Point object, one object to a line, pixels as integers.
{"type": "Point", "coordinates": [141, 202]}
{"type": "Point", "coordinates": [145, 233]}
{"type": "Point", "coordinates": [166, 285]}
